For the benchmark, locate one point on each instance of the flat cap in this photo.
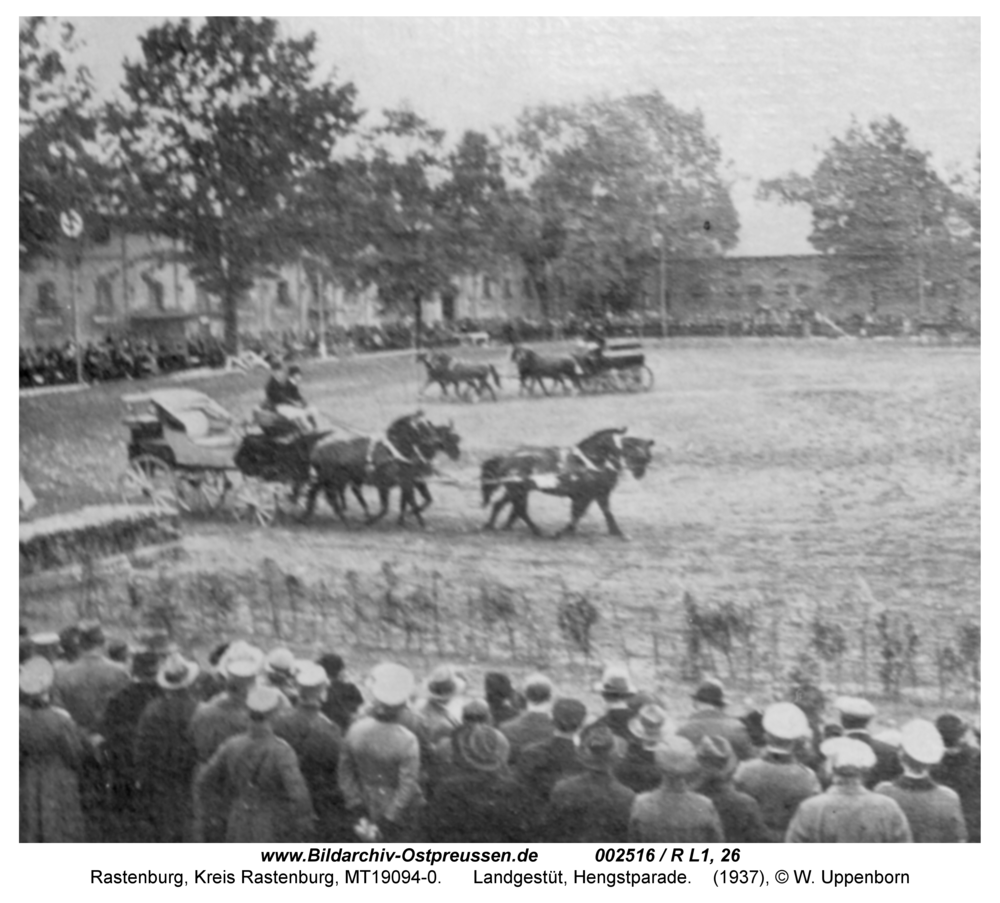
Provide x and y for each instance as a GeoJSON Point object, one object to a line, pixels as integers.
{"type": "Point", "coordinates": [846, 754]}
{"type": "Point", "coordinates": [391, 684]}
{"type": "Point", "coordinates": [922, 742]}
{"type": "Point", "coordinates": [785, 721]}
{"type": "Point", "coordinates": [35, 676]}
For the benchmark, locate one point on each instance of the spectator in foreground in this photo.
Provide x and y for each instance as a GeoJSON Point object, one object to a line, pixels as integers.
{"type": "Point", "coordinates": [848, 812]}
{"type": "Point", "coordinates": [673, 813]}
{"type": "Point", "coordinates": [933, 812]}
{"type": "Point", "coordinates": [739, 813]}
{"type": "Point", "coordinates": [960, 769]}
{"type": "Point", "coordinates": [710, 719]}
{"type": "Point", "coordinates": [592, 806]}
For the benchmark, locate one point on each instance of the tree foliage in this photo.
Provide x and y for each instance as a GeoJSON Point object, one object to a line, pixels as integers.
{"type": "Point", "coordinates": [58, 157]}
{"type": "Point", "coordinates": [877, 199]}
{"type": "Point", "coordinates": [221, 126]}
{"type": "Point", "coordinates": [602, 177]}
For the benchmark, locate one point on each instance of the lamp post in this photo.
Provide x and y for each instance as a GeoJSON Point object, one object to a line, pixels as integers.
{"type": "Point", "coordinates": [71, 224]}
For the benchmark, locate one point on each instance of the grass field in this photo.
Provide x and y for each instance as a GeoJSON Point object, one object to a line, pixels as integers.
{"type": "Point", "coordinates": [782, 470]}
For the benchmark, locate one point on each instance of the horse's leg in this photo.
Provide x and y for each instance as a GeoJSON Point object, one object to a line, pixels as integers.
{"type": "Point", "coordinates": [521, 510]}
{"type": "Point", "coordinates": [485, 382]}
{"type": "Point", "coordinates": [498, 506]}
{"type": "Point", "coordinates": [383, 498]}
{"type": "Point", "coordinates": [541, 382]}
{"type": "Point", "coordinates": [604, 501]}
{"type": "Point", "coordinates": [580, 504]}
{"type": "Point", "coordinates": [359, 495]}
{"type": "Point", "coordinates": [421, 487]}
{"type": "Point", "coordinates": [311, 500]}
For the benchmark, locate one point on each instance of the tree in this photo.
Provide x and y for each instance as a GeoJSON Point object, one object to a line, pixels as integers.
{"type": "Point", "coordinates": [221, 127]}
{"type": "Point", "coordinates": [58, 158]}
{"type": "Point", "coordinates": [877, 205]}
{"type": "Point", "coordinates": [604, 176]}
{"type": "Point", "coordinates": [428, 214]}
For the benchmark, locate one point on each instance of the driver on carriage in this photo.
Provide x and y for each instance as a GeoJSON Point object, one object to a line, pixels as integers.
{"type": "Point", "coordinates": [594, 341]}
{"type": "Point", "coordinates": [283, 397]}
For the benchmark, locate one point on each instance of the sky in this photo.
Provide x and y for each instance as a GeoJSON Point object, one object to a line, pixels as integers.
{"type": "Point", "coordinates": [773, 91]}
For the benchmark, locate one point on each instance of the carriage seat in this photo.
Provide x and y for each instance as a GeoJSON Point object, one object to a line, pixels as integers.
{"type": "Point", "coordinates": [206, 431]}
{"type": "Point", "coordinates": [273, 425]}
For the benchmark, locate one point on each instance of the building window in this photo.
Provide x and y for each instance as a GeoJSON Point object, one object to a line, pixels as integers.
{"type": "Point", "coordinates": [155, 295]}
{"type": "Point", "coordinates": [284, 295]}
{"type": "Point", "coordinates": [104, 297]}
{"type": "Point", "coordinates": [48, 303]}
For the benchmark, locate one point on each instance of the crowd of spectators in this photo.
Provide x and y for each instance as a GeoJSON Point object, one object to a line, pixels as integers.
{"type": "Point", "coordinates": [130, 358]}
{"type": "Point", "coordinates": [116, 358]}
{"type": "Point", "coordinates": [144, 744]}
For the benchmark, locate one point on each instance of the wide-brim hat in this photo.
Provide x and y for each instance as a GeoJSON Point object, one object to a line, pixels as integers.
{"type": "Point", "coordinates": [711, 692]}
{"type": "Point", "coordinates": [715, 755]}
{"type": "Point", "coordinates": [176, 672]}
{"type": "Point", "coordinates": [847, 754]}
{"type": "Point", "coordinates": [921, 741]}
{"type": "Point", "coordinates": [675, 756]}
{"type": "Point", "coordinates": [648, 725]}
{"type": "Point", "coordinates": [242, 661]}
{"type": "Point", "coordinates": [444, 683]}
{"type": "Point", "coordinates": [280, 662]}
{"type": "Point", "coordinates": [785, 721]}
{"type": "Point", "coordinates": [35, 676]}
{"type": "Point", "coordinates": [616, 682]}
{"type": "Point", "coordinates": [391, 684]}
{"type": "Point", "coordinates": [482, 747]}
{"type": "Point", "coordinates": [145, 665]}
{"type": "Point", "coordinates": [91, 633]}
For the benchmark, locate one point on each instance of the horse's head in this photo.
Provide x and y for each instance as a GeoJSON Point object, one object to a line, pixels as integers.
{"type": "Point", "coordinates": [517, 352]}
{"type": "Point", "coordinates": [447, 440]}
{"type": "Point", "coordinates": [637, 454]}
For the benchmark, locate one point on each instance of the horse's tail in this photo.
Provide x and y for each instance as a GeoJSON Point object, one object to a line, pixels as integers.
{"type": "Point", "coordinates": [496, 376]}
{"type": "Point", "coordinates": [489, 478]}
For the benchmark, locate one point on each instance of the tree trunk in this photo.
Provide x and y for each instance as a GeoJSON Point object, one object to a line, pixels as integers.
{"type": "Point", "coordinates": [418, 321]}
{"type": "Point", "coordinates": [231, 319]}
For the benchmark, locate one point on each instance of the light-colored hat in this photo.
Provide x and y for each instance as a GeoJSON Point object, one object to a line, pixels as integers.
{"type": "Point", "coordinates": [922, 742]}
{"type": "Point", "coordinates": [890, 737]}
{"type": "Point", "coordinates": [263, 700]}
{"type": "Point", "coordinates": [281, 662]}
{"type": "Point", "coordinates": [49, 638]}
{"type": "Point", "coordinates": [176, 672]}
{"type": "Point", "coordinates": [785, 721]}
{"type": "Point", "coordinates": [676, 755]}
{"type": "Point", "coordinates": [854, 707]}
{"type": "Point", "coordinates": [847, 754]}
{"type": "Point", "coordinates": [311, 676]}
{"type": "Point", "coordinates": [243, 660]}
{"type": "Point", "coordinates": [648, 725]}
{"type": "Point", "coordinates": [391, 684]}
{"type": "Point", "coordinates": [616, 682]}
{"type": "Point", "coordinates": [36, 676]}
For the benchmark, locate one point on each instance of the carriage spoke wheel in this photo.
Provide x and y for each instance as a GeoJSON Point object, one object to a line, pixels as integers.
{"type": "Point", "coordinates": [256, 502]}
{"type": "Point", "coordinates": [149, 481]}
{"type": "Point", "coordinates": [202, 491]}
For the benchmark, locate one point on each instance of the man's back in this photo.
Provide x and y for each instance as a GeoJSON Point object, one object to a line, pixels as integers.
{"type": "Point", "coordinates": [590, 807]}
{"type": "Point", "coordinates": [665, 816]}
{"type": "Point", "coordinates": [779, 784]}
{"type": "Point", "coordinates": [849, 815]}
{"type": "Point", "coordinates": [933, 812]}
{"type": "Point", "coordinates": [85, 687]}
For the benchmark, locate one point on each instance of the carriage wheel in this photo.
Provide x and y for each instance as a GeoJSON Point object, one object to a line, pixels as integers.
{"type": "Point", "coordinates": [645, 378]}
{"type": "Point", "coordinates": [149, 481]}
{"type": "Point", "coordinates": [256, 502]}
{"type": "Point", "coordinates": [202, 491]}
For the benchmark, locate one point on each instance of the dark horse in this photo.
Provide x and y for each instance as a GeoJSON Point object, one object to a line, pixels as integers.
{"type": "Point", "coordinates": [586, 473]}
{"type": "Point", "coordinates": [446, 370]}
{"type": "Point", "coordinates": [279, 459]}
{"type": "Point", "coordinates": [533, 367]}
{"type": "Point", "coordinates": [402, 459]}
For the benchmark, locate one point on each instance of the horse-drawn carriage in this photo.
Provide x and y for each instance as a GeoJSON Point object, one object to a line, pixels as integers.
{"type": "Point", "coordinates": [187, 452]}
{"type": "Point", "coordinates": [617, 366]}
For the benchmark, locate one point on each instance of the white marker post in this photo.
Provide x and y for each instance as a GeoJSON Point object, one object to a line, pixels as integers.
{"type": "Point", "coordinates": [71, 224]}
